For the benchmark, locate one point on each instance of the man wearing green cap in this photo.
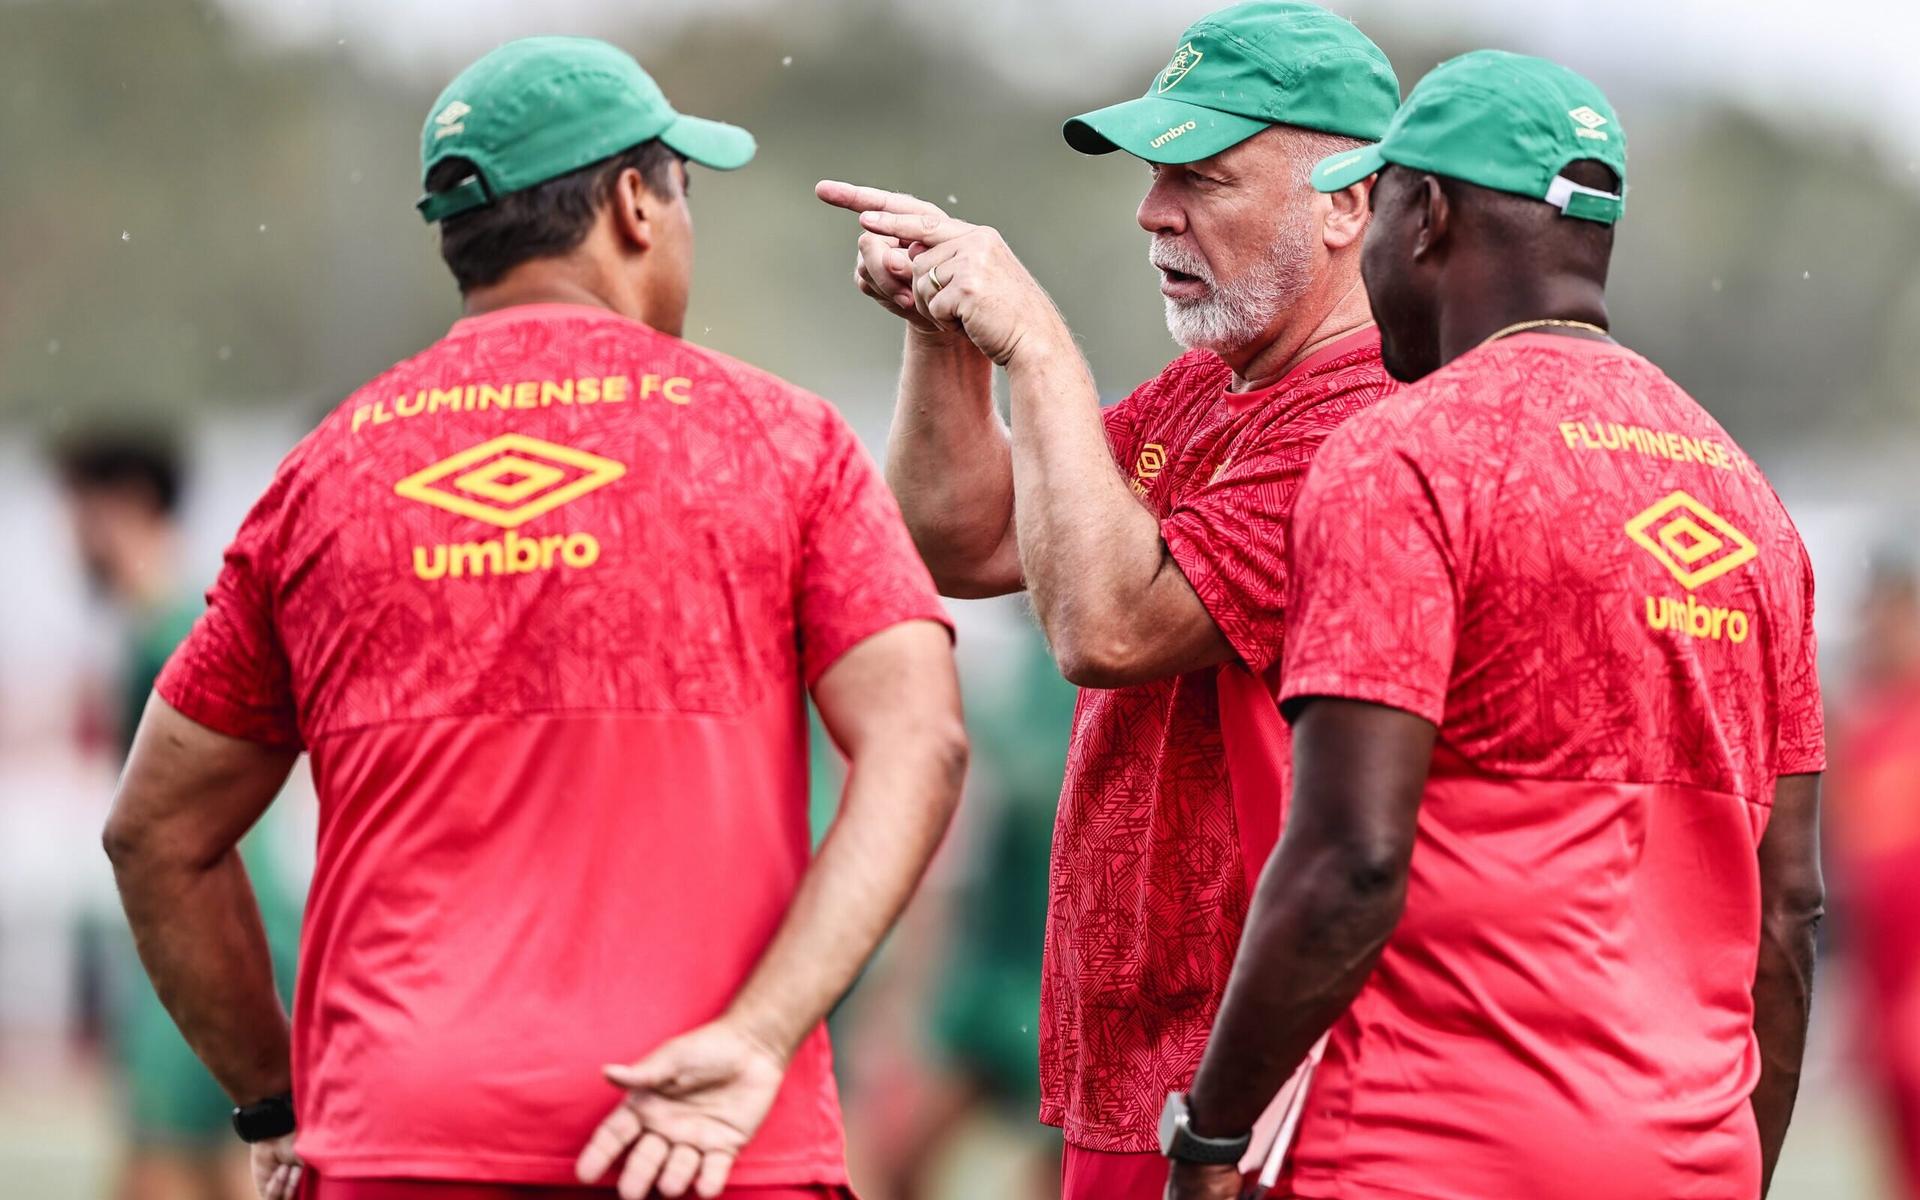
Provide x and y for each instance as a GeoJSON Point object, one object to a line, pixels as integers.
{"type": "Point", "coordinates": [1549, 881]}
{"type": "Point", "coordinates": [542, 603]}
{"type": "Point", "coordinates": [1151, 537]}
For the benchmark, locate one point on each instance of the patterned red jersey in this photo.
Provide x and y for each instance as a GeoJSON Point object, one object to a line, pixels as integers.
{"type": "Point", "coordinates": [1554, 554]}
{"type": "Point", "coordinates": [1152, 864]}
{"type": "Point", "coordinates": [540, 603]}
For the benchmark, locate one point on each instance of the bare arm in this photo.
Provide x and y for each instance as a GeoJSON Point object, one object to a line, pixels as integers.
{"type": "Point", "coordinates": [1327, 902]}
{"type": "Point", "coordinates": [1792, 899]}
{"type": "Point", "coordinates": [950, 465]}
{"type": "Point", "coordinates": [1115, 607]}
{"type": "Point", "coordinates": [892, 703]}
{"type": "Point", "coordinates": [948, 461]}
{"type": "Point", "coordinates": [185, 799]}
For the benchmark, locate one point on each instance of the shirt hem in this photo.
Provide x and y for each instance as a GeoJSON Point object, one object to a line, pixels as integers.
{"type": "Point", "coordinates": [540, 1170]}
{"type": "Point", "coordinates": [1206, 579]}
{"type": "Point", "coordinates": [1802, 764]}
{"type": "Point", "coordinates": [834, 651]}
{"type": "Point", "coordinates": [223, 716]}
{"type": "Point", "coordinates": [1106, 1141]}
{"type": "Point", "coordinates": [1418, 701]}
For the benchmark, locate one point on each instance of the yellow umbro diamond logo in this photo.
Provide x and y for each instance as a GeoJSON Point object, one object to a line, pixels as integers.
{"type": "Point", "coordinates": [510, 480]}
{"type": "Point", "coordinates": [1185, 59]}
{"type": "Point", "coordinates": [1688, 538]}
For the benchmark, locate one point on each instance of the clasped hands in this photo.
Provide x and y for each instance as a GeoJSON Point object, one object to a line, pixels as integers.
{"type": "Point", "coordinates": [946, 276]}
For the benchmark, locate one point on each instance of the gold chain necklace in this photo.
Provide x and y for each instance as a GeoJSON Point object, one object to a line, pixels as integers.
{"type": "Point", "coordinates": [1545, 322]}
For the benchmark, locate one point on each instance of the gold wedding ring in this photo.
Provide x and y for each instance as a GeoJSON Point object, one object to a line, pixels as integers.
{"type": "Point", "coordinates": [933, 273]}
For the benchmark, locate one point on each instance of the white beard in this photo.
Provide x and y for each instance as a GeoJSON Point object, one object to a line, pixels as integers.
{"type": "Point", "coordinates": [1235, 315]}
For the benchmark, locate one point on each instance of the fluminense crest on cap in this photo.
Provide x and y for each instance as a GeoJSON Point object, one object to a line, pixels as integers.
{"type": "Point", "coordinates": [1185, 59]}
{"type": "Point", "coordinates": [1245, 69]}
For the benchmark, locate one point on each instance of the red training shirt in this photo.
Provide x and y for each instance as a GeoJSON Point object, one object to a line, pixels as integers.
{"type": "Point", "coordinates": [540, 603]}
{"type": "Point", "coordinates": [1152, 865]}
{"type": "Point", "coordinates": [1555, 555]}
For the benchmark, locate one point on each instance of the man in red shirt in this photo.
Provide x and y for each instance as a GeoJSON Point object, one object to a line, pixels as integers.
{"type": "Point", "coordinates": [542, 603]}
{"type": "Point", "coordinates": [1150, 538]}
{"type": "Point", "coordinates": [1549, 870]}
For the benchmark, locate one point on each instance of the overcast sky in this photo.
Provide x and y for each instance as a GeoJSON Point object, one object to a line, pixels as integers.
{"type": "Point", "coordinates": [1846, 65]}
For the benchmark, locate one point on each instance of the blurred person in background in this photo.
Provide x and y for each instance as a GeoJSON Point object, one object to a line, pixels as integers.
{"type": "Point", "coordinates": [542, 603]}
{"type": "Point", "coordinates": [1150, 538]}
{"type": "Point", "coordinates": [1550, 878]}
{"type": "Point", "coordinates": [1874, 819]}
{"type": "Point", "coordinates": [123, 498]}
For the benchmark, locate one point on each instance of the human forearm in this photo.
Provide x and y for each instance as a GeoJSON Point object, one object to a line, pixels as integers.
{"type": "Point", "coordinates": [1313, 936]}
{"type": "Point", "coordinates": [1782, 1005]}
{"type": "Point", "coordinates": [200, 938]}
{"type": "Point", "coordinates": [1325, 907]}
{"type": "Point", "coordinates": [187, 796]}
{"type": "Point", "coordinates": [949, 464]}
{"type": "Point", "coordinates": [896, 807]}
{"type": "Point", "coordinates": [1792, 901]}
{"type": "Point", "coordinates": [1114, 605]}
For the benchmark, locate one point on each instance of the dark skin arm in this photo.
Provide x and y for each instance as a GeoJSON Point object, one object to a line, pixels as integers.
{"type": "Point", "coordinates": [1791, 905]}
{"type": "Point", "coordinates": [1326, 904]}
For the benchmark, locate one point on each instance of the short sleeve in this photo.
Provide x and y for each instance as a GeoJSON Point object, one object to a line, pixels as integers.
{"type": "Point", "coordinates": [860, 572]}
{"type": "Point", "coordinates": [1118, 420]}
{"type": "Point", "coordinates": [1229, 539]}
{"type": "Point", "coordinates": [1375, 600]}
{"type": "Point", "coordinates": [231, 673]}
{"type": "Point", "coordinates": [1803, 734]}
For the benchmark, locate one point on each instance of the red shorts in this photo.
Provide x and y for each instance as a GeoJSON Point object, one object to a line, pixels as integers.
{"type": "Point", "coordinates": [312, 1187]}
{"type": "Point", "coordinates": [1106, 1175]}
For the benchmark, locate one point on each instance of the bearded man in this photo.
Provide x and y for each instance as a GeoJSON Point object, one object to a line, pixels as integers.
{"type": "Point", "coordinates": [1151, 538]}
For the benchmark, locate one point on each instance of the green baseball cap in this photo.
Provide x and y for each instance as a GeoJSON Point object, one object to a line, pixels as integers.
{"type": "Point", "coordinates": [1242, 69]}
{"type": "Point", "coordinates": [542, 107]}
{"type": "Point", "coordinates": [1502, 121]}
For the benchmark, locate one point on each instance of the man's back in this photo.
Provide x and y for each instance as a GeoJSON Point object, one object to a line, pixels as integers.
{"type": "Point", "coordinates": [1630, 615]}
{"type": "Point", "coordinates": [544, 599]}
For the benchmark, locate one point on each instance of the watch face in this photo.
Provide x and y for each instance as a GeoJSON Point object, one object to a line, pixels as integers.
{"type": "Point", "coordinates": [1172, 1116]}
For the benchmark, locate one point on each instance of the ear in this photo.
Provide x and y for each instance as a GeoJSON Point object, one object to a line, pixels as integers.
{"type": "Point", "coordinates": [632, 210]}
{"type": "Point", "coordinates": [1432, 217]}
{"type": "Point", "coordinates": [1346, 221]}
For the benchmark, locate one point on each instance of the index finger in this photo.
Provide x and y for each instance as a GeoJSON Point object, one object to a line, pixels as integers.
{"type": "Point", "coordinates": [855, 198]}
{"type": "Point", "coordinates": [930, 229]}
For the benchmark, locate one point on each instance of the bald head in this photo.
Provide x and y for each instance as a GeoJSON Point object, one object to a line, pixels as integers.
{"type": "Point", "coordinates": [1445, 258]}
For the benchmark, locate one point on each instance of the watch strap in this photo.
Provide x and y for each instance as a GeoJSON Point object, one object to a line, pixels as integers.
{"type": "Point", "coordinates": [1178, 1141]}
{"type": "Point", "coordinates": [265, 1119]}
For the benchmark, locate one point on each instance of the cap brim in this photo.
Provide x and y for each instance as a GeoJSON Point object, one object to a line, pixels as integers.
{"type": "Point", "coordinates": [1159, 130]}
{"type": "Point", "coordinates": [1339, 171]}
{"type": "Point", "coordinates": [713, 144]}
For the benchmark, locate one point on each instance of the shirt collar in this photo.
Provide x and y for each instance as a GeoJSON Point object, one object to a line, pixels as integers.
{"type": "Point", "coordinates": [1317, 363]}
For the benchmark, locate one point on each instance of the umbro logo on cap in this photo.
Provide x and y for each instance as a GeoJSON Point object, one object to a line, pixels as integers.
{"type": "Point", "coordinates": [1590, 123]}
{"type": "Point", "coordinates": [448, 119]}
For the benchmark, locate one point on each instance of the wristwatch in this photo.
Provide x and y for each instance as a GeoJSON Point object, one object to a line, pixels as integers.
{"type": "Point", "coordinates": [1181, 1143]}
{"type": "Point", "coordinates": [264, 1120]}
